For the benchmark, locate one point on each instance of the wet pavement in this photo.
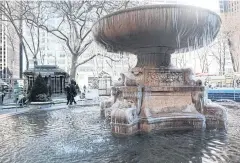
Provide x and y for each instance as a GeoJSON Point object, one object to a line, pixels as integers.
{"type": "Point", "coordinates": [80, 134]}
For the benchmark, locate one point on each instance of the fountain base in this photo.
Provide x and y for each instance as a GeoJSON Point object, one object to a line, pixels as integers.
{"type": "Point", "coordinates": [162, 123]}
{"type": "Point", "coordinates": [149, 99]}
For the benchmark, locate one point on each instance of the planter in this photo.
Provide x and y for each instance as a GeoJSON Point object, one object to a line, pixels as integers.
{"type": "Point", "coordinates": [41, 105]}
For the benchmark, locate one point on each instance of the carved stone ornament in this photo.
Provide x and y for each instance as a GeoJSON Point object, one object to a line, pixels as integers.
{"type": "Point", "coordinates": [156, 78]}
{"type": "Point", "coordinates": [137, 71]}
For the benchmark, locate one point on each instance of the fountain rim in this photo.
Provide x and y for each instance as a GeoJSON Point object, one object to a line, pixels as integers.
{"type": "Point", "coordinates": [153, 7]}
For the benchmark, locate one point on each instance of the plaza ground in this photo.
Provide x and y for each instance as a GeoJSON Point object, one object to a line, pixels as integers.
{"type": "Point", "coordinates": [59, 102]}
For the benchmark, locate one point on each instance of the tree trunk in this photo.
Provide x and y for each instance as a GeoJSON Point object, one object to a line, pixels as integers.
{"type": "Point", "coordinates": [224, 58]}
{"type": "Point", "coordinates": [73, 66]}
{"type": "Point", "coordinates": [220, 64]}
{"type": "Point", "coordinates": [233, 47]}
{"type": "Point", "coordinates": [21, 43]}
{"type": "Point", "coordinates": [35, 62]}
{"type": "Point", "coordinates": [26, 56]}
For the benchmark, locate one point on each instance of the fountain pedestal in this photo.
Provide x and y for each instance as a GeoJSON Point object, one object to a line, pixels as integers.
{"type": "Point", "coordinates": [157, 99]}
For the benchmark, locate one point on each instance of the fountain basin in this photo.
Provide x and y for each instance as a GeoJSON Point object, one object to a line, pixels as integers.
{"type": "Point", "coordinates": [157, 29]}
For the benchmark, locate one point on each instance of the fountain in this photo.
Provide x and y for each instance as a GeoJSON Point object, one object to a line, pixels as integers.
{"type": "Point", "coordinates": [155, 95]}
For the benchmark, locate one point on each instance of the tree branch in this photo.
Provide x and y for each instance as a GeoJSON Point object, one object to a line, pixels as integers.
{"type": "Point", "coordinates": [85, 61]}
{"type": "Point", "coordinates": [112, 59]}
{"type": "Point", "coordinates": [84, 48]}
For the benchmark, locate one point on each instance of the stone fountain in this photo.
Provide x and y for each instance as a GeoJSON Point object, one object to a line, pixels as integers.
{"type": "Point", "coordinates": [154, 95]}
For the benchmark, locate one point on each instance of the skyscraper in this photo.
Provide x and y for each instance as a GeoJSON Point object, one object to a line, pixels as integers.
{"type": "Point", "coordinates": [230, 14]}
{"type": "Point", "coordinates": [9, 51]}
{"type": "Point", "coordinates": [229, 6]}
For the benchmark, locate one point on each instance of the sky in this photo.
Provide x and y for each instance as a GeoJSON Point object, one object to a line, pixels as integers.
{"type": "Point", "coordinates": [209, 4]}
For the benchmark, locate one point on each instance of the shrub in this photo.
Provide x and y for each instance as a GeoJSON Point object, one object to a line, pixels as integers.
{"type": "Point", "coordinates": [39, 90]}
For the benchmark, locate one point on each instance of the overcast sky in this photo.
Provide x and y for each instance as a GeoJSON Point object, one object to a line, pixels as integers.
{"type": "Point", "coordinates": [209, 4]}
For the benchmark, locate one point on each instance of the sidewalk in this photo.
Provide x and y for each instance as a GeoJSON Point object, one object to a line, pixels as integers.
{"type": "Point", "coordinates": [91, 95]}
{"type": "Point", "coordinates": [19, 110]}
{"type": "Point", "coordinates": [9, 111]}
{"type": "Point", "coordinates": [92, 99]}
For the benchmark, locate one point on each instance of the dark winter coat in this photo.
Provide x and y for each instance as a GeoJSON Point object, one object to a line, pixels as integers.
{"type": "Point", "coordinates": [68, 91]}
{"type": "Point", "coordinates": [73, 90]}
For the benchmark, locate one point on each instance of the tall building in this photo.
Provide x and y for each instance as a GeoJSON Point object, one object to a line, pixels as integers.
{"type": "Point", "coordinates": [51, 50]}
{"type": "Point", "coordinates": [229, 6]}
{"type": "Point", "coordinates": [230, 14]}
{"type": "Point", "coordinates": [9, 51]}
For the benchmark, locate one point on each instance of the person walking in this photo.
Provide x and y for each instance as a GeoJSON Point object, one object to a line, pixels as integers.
{"type": "Point", "coordinates": [68, 92]}
{"type": "Point", "coordinates": [16, 91]}
{"type": "Point", "coordinates": [2, 93]}
{"type": "Point", "coordinates": [84, 88]}
{"type": "Point", "coordinates": [73, 92]}
{"type": "Point", "coordinates": [77, 88]}
{"type": "Point", "coordinates": [49, 91]}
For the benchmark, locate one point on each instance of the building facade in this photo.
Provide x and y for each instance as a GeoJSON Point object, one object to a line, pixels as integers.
{"type": "Point", "coordinates": [111, 63]}
{"type": "Point", "coordinates": [52, 51]}
{"type": "Point", "coordinates": [9, 51]}
{"type": "Point", "coordinates": [229, 6]}
{"type": "Point", "coordinates": [230, 14]}
{"type": "Point", "coordinates": [55, 77]}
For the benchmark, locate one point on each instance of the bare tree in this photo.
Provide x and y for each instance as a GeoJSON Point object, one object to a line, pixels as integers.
{"type": "Point", "coordinates": [42, 57]}
{"type": "Point", "coordinates": [112, 61]}
{"type": "Point", "coordinates": [129, 61]}
{"type": "Point", "coordinates": [202, 55]}
{"type": "Point", "coordinates": [74, 23]}
{"type": "Point", "coordinates": [12, 12]}
{"type": "Point", "coordinates": [181, 60]}
{"type": "Point", "coordinates": [234, 48]}
{"type": "Point", "coordinates": [15, 12]}
{"type": "Point", "coordinates": [11, 38]}
{"type": "Point", "coordinates": [33, 29]}
{"type": "Point", "coordinates": [219, 51]}
{"type": "Point", "coordinates": [231, 30]}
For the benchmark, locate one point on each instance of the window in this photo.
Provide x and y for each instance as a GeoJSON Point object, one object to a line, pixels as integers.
{"type": "Point", "coordinates": [62, 55]}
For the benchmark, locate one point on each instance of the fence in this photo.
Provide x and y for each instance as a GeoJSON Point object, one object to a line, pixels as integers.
{"type": "Point", "coordinates": [224, 93]}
